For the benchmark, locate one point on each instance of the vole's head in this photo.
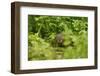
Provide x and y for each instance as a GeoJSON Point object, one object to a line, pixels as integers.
{"type": "Point", "coordinates": [59, 38]}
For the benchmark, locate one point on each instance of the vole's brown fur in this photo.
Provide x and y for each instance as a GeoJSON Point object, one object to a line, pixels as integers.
{"type": "Point", "coordinates": [59, 39]}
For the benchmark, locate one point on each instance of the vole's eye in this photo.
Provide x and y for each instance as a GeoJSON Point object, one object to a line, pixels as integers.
{"type": "Point", "coordinates": [60, 40]}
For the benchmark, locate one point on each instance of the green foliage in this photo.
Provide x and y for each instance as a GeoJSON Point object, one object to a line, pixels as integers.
{"type": "Point", "coordinates": [42, 32]}
{"type": "Point", "coordinates": [38, 48]}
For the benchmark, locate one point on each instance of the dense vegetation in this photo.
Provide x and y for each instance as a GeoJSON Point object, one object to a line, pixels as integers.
{"type": "Point", "coordinates": [42, 41]}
